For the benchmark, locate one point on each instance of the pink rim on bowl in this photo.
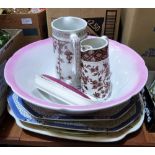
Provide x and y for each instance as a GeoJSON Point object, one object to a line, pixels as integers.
{"type": "Point", "coordinates": [9, 77]}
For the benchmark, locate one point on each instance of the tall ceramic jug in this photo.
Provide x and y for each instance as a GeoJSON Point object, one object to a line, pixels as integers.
{"type": "Point", "coordinates": [95, 69]}
{"type": "Point", "coordinates": [67, 32]}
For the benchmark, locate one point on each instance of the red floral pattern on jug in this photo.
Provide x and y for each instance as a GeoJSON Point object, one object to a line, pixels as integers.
{"type": "Point", "coordinates": [95, 73]}
{"type": "Point", "coordinates": [94, 56]}
{"type": "Point", "coordinates": [64, 56]}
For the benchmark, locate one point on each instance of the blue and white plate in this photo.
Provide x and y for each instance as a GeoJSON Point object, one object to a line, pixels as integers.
{"type": "Point", "coordinates": [81, 136]}
{"type": "Point", "coordinates": [101, 125]}
{"type": "Point", "coordinates": [112, 113]}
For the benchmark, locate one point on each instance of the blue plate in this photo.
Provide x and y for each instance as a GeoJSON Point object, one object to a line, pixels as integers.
{"type": "Point", "coordinates": [112, 113]}
{"type": "Point", "coordinates": [59, 120]}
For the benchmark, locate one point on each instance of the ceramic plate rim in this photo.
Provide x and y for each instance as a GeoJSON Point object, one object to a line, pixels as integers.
{"type": "Point", "coordinates": [12, 105]}
{"type": "Point", "coordinates": [130, 130]}
{"type": "Point", "coordinates": [9, 77]}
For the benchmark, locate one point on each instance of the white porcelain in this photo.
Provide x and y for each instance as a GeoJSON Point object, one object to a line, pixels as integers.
{"type": "Point", "coordinates": [56, 88]}
{"type": "Point", "coordinates": [129, 75]}
{"type": "Point", "coordinates": [81, 136]}
{"type": "Point", "coordinates": [67, 33]}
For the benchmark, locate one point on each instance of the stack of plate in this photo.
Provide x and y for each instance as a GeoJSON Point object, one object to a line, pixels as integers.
{"type": "Point", "coordinates": [121, 114]}
{"type": "Point", "coordinates": [108, 125]}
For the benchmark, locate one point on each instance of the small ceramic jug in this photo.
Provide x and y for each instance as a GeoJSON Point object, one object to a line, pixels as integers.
{"type": "Point", "coordinates": [67, 32]}
{"type": "Point", "coordinates": [95, 69]}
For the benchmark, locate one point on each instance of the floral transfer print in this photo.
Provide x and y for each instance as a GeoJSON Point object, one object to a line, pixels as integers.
{"type": "Point", "coordinates": [64, 57]}
{"type": "Point", "coordinates": [95, 78]}
{"type": "Point", "coordinates": [69, 56]}
{"type": "Point", "coordinates": [94, 56]}
{"type": "Point", "coordinates": [95, 73]}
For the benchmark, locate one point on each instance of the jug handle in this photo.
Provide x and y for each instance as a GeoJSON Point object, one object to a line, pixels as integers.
{"type": "Point", "coordinates": [75, 40]}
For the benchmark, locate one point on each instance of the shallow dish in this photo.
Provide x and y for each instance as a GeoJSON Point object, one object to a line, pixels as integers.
{"type": "Point", "coordinates": [129, 75]}
{"type": "Point", "coordinates": [87, 125]}
{"type": "Point", "coordinates": [111, 113]}
{"type": "Point", "coordinates": [105, 114]}
{"type": "Point", "coordinates": [81, 136]}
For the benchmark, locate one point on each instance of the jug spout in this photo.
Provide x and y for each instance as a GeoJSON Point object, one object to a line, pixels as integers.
{"type": "Point", "coordinates": [104, 37]}
{"type": "Point", "coordinates": [85, 48]}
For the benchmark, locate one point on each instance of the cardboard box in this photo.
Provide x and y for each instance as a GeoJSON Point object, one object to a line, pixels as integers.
{"type": "Point", "coordinates": [12, 45]}
{"type": "Point", "coordinates": [138, 32]}
{"type": "Point", "coordinates": [5, 53]}
{"type": "Point", "coordinates": [34, 25]}
{"type": "Point", "coordinates": [100, 21]}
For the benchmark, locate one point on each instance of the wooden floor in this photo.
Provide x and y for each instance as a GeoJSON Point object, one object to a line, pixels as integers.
{"type": "Point", "coordinates": [12, 135]}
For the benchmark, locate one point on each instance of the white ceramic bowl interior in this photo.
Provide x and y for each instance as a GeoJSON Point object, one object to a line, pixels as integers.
{"type": "Point", "coordinates": [129, 75]}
